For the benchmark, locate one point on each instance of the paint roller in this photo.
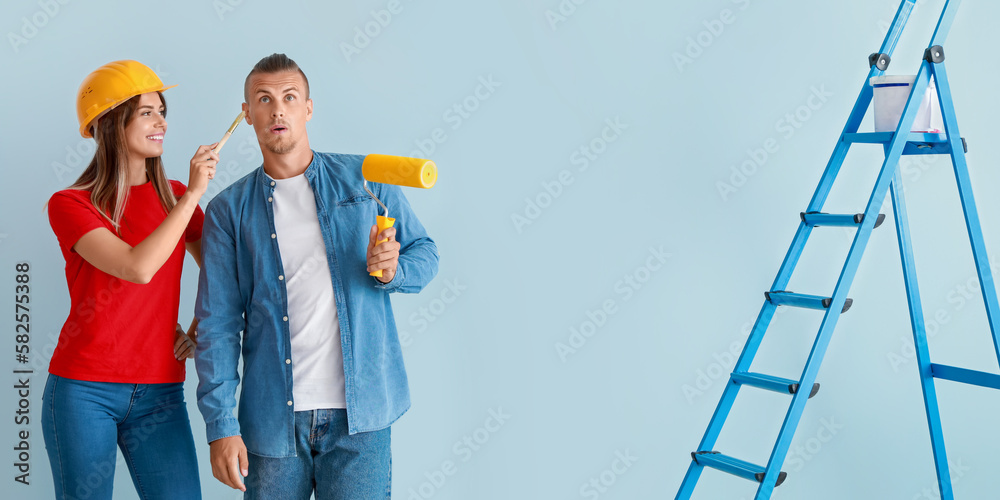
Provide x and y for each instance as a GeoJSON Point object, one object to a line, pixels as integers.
{"type": "Point", "coordinates": [399, 171]}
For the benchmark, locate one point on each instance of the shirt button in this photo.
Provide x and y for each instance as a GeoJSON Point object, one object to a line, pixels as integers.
{"type": "Point", "coordinates": [284, 318]}
{"type": "Point", "coordinates": [289, 403]}
{"type": "Point", "coordinates": [270, 199]}
{"type": "Point", "coordinates": [288, 361]}
{"type": "Point", "coordinates": [273, 236]}
{"type": "Point", "coordinates": [281, 277]}
{"type": "Point", "coordinates": [272, 183]}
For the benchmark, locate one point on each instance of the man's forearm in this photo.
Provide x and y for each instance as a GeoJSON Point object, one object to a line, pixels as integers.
{"type": "Point", "coordinates": [420, 265]}
{"type": "Point", "coordinates": [217, 385]}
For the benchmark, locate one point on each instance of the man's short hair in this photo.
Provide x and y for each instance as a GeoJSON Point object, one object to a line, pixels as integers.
{"type": "Point", "coordinates": [274, 63]}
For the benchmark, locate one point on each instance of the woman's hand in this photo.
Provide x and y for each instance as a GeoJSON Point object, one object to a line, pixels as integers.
{"type": "Point", "coordinates": [184, 345]}
{"type": "Point", "coordinates": [202, 169]}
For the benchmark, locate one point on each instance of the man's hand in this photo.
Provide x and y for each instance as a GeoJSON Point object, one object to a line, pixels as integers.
{"type": "Point", "coordinates": [385, 255]}
{"type": "Point", "coordinates": [229, 461]}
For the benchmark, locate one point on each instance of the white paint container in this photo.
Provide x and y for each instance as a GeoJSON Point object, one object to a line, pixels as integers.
{"type": "Point", "coordinates": [891, 93]}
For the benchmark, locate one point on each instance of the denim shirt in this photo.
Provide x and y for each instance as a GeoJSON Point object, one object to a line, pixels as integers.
{"type": "Point", "coordinates": [242, 299]}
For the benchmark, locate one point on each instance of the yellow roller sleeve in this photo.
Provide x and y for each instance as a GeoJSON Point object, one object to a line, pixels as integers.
{"type": "Point", "coordinates": [383, 223]}
{"type": "Point", "coordinates": [399, 170]}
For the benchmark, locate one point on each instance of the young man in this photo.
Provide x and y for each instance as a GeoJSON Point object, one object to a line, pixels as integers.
{"type": "Point", "coordinates": [287, 252]}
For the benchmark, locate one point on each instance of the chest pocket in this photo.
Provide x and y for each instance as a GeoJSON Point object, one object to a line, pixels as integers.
{"type": "Point", "coordinates": [355, 199]}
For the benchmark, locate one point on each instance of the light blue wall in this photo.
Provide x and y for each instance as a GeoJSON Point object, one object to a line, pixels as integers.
{"type": "Point", "coordinates": [518, 290]}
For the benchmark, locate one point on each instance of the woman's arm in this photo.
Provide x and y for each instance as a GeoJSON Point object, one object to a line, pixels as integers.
{"type": "Point", "coordinates": [194, 248]}
{"type": "Point", "coordinates": [185, 343]}
{"type": "Point", "coordinates": [109, 253]}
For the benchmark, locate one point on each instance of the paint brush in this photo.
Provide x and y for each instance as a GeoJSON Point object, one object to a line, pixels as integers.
{"type": "Point", "coordinates": [229, 132]}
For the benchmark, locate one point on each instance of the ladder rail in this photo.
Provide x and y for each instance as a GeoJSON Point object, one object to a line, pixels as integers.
{"type": "Point", "coordinates": [896, 28]}
{"type": "Point", "coordinates": [972, 224]}
{"type": "Point", "coordinates": [863, 102]}
{"type": "Point", "coordinates": [889, 179]}
{"type": "Point", "coordinates": [920, 345]}
{"type": "Point", "coordinates": [726, 401]}
{"type": "Point", "coordinates": [888, 171]}
{"type": "Point", "coordinates": [767, 310]}
{"type": "Point", "coordinates": [945, 22]}
{"type": "Point", "coordinates": [841, 149]}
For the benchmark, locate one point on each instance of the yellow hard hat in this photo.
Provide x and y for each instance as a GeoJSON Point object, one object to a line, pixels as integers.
{"type": "Point", "coordinates": [111, 85]}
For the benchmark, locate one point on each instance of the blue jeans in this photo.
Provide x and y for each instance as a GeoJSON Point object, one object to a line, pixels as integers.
{"type": "Point", "coordinates": [82, 422]}
{"type": "Point", "coordinates": [338, 466]}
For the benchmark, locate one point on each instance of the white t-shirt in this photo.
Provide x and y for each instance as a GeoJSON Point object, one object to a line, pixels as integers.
{"type": "Point", "coordinates": [317, 358]}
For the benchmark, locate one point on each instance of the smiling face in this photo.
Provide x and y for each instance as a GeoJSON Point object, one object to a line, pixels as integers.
{"type": "Point", "coordinates": [278, 108]}
{"type": "Point", "coordinates": [146, 127]}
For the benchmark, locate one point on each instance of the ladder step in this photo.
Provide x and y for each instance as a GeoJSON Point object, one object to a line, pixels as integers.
{"type": "Point", "coordinates": [917, 143]}
{"type": "Point", "coordinates": [965, 376]}
{"type": "Point", "coordinates": [821, 219]}
{"type": "Point", "coordinates": [734, 466]}
{"type": "Point", "coordinates": [783, 298]}
{"type": "Point", "coordinates": [770, 383]}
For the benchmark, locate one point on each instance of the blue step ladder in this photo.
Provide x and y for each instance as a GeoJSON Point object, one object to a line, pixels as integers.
{"type": "Point", "coordinates": [895, 144]}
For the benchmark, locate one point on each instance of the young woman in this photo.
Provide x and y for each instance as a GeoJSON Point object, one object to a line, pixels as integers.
{"type": "Point", "coordinates": [116, 376]}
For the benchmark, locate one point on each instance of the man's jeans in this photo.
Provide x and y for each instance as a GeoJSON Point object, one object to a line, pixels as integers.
{"type": "Point", "coordinates": [83, 421]}
{"type": "Point", "coordinates": [337, 465]}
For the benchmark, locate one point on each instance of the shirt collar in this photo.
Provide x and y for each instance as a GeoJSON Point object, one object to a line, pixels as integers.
{"type": "Point", "coordinates": [310, 173]}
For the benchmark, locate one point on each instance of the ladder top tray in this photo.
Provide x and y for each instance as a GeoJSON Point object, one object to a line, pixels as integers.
{"type": "Point", "coordinates": [917, 143]}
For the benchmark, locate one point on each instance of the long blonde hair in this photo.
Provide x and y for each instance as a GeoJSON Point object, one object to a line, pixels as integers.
{"type": "Point", "coordinates": [107, 175]}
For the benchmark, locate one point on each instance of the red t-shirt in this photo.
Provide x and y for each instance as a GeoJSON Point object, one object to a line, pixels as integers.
{"type": "Point", "coordinates": [118, 331]}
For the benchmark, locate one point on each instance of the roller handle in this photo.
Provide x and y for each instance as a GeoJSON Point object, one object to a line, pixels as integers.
{"type": "Point", "coordinates": [383, 223]}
